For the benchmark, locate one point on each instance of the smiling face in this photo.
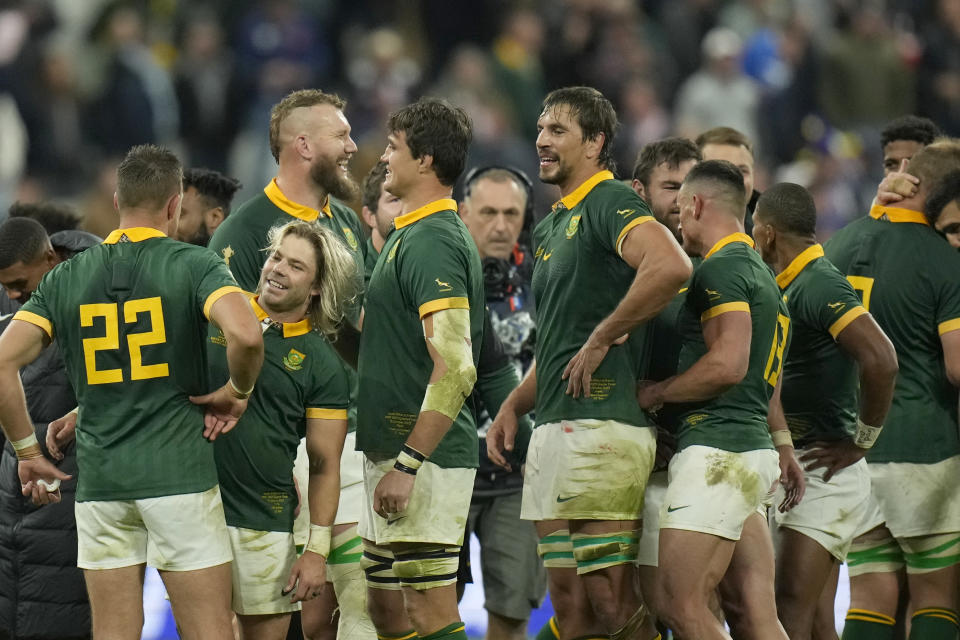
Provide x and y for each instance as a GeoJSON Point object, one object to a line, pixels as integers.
{"type": "Point", "coordinates": [329, 140]}
{"type": "Point", "coordinates": [402, 167]}
{"type": "Point", "coordinates": [287, 281]}
{"type": "Point", "coordinates": [560, 145]}
{"type": "Point", "coordinates": [896, 151]}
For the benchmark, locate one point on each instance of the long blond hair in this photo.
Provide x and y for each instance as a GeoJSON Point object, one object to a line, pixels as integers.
{"type": "Point", "coordinates": [337, 275]}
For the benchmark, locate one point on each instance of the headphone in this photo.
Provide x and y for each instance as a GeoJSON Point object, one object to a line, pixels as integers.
{"type": "Point", "coordinates": [477, 173]}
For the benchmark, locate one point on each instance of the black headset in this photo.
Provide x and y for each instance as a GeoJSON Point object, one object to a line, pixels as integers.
{"type": "Point", "coordinates": [477, 172]}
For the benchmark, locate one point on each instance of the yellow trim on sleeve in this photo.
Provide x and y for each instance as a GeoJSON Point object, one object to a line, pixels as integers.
{"type": "Point", "coordinates": [133, 234]}
{"type": "Point", "coordinates": [443, 303]}
{"type": "Point", "coordinates": [896, 214]}
{"type": "Point", "coordinates": [733, 237]}
{"type": "Point", "coordinates": [626, 229]}
{"type": "Point", "coordinates": [34, 319]}
{"type": "Point", "coordinates": [573, 198]}
{"type": "Point", "coordinates": [726, 307]}
{"type": "Point", "coordinates": [315, 413]}
{"type": "Point", "coordinates": [295, 209]}
{"type": "Point", "coordinates": [808, 255]}
{"type": "Point", "coordinates": [216, 295]}
{"type": "Point", "coordinates": [943, 327]}
{"type": "Point", "coordinates": [845, 320]}
{"type": "Point", "coordinates": [444, 204]}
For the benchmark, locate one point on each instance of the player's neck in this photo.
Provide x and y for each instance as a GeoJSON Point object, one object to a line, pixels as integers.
{"type": "Point", "coordinates": [301, 189]}
{"type": "Point", "coordinates": [423, 193]}
{"type": "Point", "coordinates": [581, 174]}
{"type": "Point", "coordinates": [716, 231]}
{"type": "Point", "coordinates": [787, 251]}
{"type": "Point", "coordinates": [130, 218]}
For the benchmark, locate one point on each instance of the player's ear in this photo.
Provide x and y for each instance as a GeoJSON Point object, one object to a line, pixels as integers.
{"type": "Point", "coordinates": [594, 146]}
{"type": "Point", "coordinates": [173, 205]}
{"type": "Point", "coordinates": [639, 188]}
{"type": "Point", "coordinates": [212, 218]}
{"type": "Point", "coordinates": [425, 163]}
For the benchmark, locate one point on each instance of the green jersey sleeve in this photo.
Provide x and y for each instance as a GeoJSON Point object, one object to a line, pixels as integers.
{"type": "Point", "coordinates": [834, 304]}
{"type": "Point", "coordinates": [721, 284]}
{"type": "Point", "coordinates": [214, 282]}
{"type": "Point", "coordinates": [948, 298]}
{"type": "Point", "coordinates": [433, 270]}
{"type": "Point", "coordinates": [615, 215]}
{"type": "Point", "coordinates": [329, 397]}
{"type": "Point", "coordinates": [35, 310]}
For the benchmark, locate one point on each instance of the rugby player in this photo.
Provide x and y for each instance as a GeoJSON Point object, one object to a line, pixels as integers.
{"type": "Point", "coordinates": [733, 333]}
{"type": "Point", "coordinates": [943, 208]}
{"type": "Point", "coordinates": [207, 195]}
{"type": "Point", "coordinates": [600, 271]}
{"type": "Point", "coordinates": [306, 285]}
{"type": "Point", "coordinates": [907, 279]}
{"type": "Point", "coordinates": [838, 380]}
{"type": "Point", "coordinates": [422, 329]}
{"type": "Point", "coordinates": [130, 317]}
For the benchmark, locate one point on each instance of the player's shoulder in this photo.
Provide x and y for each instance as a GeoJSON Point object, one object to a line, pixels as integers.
{"type": "Point", "coordinates": [343, 212]}
{"type": "Point", "coordinates": [616, 197]}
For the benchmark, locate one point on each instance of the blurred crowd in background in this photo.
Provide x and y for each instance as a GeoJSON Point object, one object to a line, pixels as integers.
{"type": "Point", "coordinates": [810, 81]}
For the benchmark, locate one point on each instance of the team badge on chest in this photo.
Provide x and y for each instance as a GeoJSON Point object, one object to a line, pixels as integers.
{"type": "Point", "coordinates": [573, 226]}
{"type": "Point", "coordinates": [294, 360]}
{"type": "Point", "coordinates": [351, 239]}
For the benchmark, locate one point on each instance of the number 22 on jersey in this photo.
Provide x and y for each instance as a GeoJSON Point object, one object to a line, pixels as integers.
{"type": "Point", "coordinates": [110, 341]}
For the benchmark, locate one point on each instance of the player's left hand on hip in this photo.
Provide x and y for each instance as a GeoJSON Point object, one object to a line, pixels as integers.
{"type": "Point", "coordinates": [40, 480]}
{"type": "Point", "coordinates": [223, 409]}
{"type": "Point", "coordinates": [832, 456]}
{"type": "Point", "coordinates": [791, 478]}
{"type": "Point", "coordinates": [308, 577]}
{"type": "Point", "coordinates": [392, 494]}
{"type": "Point", "coordinates": [581, 367]}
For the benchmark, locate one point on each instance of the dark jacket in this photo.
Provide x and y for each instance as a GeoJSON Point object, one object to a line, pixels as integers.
{"type": "Point", "coordinates": [42, 593]}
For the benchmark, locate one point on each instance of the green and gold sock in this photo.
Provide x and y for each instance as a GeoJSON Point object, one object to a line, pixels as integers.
{"type": "Point", "coordinates": [934, 623]}
{"type": "Point", "coordinates": [867, 625]}
{"type": "Point", "coordinates": [549, 631]}
{"type": "Point", "coordinates": [455, 631]}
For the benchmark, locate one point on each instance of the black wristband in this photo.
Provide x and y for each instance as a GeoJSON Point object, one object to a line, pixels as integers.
{"type": "Point", "coordinates": [413, 453]}
{"type": "Point", "coordinates": [399, 466]}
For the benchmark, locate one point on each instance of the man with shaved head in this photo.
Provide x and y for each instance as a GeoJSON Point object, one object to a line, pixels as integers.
{"type": "Point", "coordinates": [310, 140]}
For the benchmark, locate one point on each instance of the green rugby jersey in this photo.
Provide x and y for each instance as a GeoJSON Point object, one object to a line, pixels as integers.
{"type": "Point", "coordinates": [578, 280]}
{"type": "Point", "coordinates": [820, 382]}
{"type": "Point", "coordinates": [369, 262]}
{"type": "Point", "coordinates": [665, 352]}
{"type": "Point", "coordinates": [429, 263]}
{"type": "Point", "coordinates": [909, 280]}
{"type": "Point", "coordinates": [732, 277]}
{"type": "Point", "coordinates": [302, 377]}
{"type": "Point", "coordinates": [129, 316]}
{"type": "Point", "coordinates": [241, 238]}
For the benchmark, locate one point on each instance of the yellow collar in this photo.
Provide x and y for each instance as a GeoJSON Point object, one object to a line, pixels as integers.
{"type": "Point", "coordinates": [894, 214]}
{"type": "Point", "coordinates": [444, 204]}
{"type": "Point", "coordinates": [574, 198]}
{"type": "Point", "coordinates": [133, 234]}
{"type": "Point", "coordinates": [797, 265]}
{"type": "Point", "coordinates": [290, 329]}
{"type": "Point", "coordinates": [733, 237]}
{"type": "Point", "coordinates": [286, 205]}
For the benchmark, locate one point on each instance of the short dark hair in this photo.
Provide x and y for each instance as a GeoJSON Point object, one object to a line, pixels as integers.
{"type": "Point", "coordinates": [724, 135]}
{"type": "Point", "coordinates": [944, 192]}
{"type": "Point", "coordinates": [372, 186]}
{"type": "Point", "coordinates": [21, 240]}
{"type": "Point", "coordinates": [53, 216]}
{"type": "Point", "coordinates": [147, 176]}
{"type": "Point", "coordinates": [789, 208]}
{"type": "Point", "coordinates": [594, 113]}
{"type": "Point", "coordinates": [434, 127]}
{"type": "Point", "coordinates": [909, 127]}
{"type": "Point", "coordinates": [669, 151]}
{"type": "Point", "coordinates": [214, 187]}
{"type": "Point", "coordinates": [296, 100]}
{"type": "Point", "coordinates": [724, 175]}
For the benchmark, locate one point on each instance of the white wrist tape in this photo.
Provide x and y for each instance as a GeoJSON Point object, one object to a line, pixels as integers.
{"type": "Point", "coordinates": [319, 541]}
{"type": "Point", "coordinates": [782, 438]}
{"type": "Point", "coordinates": [238, 393]}
{"type": "Point", "coordinates": [866, 435]}
{"type": "Point", "coordinates": [27, 448]}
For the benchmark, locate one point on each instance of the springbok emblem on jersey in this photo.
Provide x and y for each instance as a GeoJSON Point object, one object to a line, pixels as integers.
{"type": "Point", "coordinates": [572, 227]}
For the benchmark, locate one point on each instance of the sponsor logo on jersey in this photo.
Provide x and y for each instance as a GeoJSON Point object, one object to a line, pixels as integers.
{"type": "Point", "coordinates": [393, 251]}
{"type": "Point", "coordinates": [294, 360]}
{"type": "Point", "coordinates": [572, 227]}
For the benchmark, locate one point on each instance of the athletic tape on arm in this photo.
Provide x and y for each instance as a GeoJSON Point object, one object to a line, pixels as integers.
{"type": "Point", "coordinates": [451, 339]}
